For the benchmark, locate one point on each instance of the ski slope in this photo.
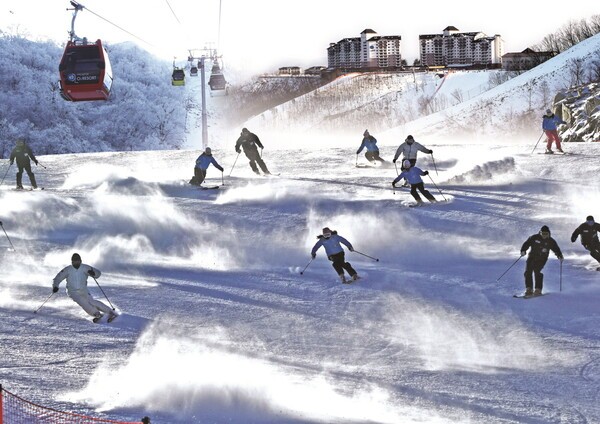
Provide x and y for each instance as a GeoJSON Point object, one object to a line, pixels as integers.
{"type": "Point", "coordinates": [217, 324]}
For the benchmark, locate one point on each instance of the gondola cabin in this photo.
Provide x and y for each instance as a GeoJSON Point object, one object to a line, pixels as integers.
{"type": "Point", "coordinates": [193, 71]}
{"type": "Point", "coordinates": [85, 72]}
{"type": "Point", "coordinates": [178, 77]}
{"type": "Point", "coordinates": [217, 82]}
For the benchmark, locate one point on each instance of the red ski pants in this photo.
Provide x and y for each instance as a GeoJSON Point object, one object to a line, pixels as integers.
{"type": "Point", "coordinates": [552, 135]}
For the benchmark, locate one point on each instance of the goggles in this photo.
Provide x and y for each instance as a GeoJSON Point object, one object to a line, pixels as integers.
{"type": "Point", "coordinates": [544, 234]}
{"type": "Point", "coordinates": [327, 235]}
{"type": "Point", "coordinates": [590, 222]}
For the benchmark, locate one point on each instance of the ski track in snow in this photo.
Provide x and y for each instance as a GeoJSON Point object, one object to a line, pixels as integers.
{"type": "Point", "coordinates": [218, 325]}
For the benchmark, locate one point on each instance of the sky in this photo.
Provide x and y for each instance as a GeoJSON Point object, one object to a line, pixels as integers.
{"type": "Point", "coordinates": [263, 35]}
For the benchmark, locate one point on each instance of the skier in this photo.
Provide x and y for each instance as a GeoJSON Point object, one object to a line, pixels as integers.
{"type": "Point", "coordinates": [413, 176]}
{"type": "Point", "coordinates": [409, 150]}
{"type": "Point", "coordinates": [540, 244]}
{"type": "Point", "coordinates": [202, 164]}
{"type": "Point", "coordinates": [249, 142]}
{"type": "Point", "coordinates": [589, 237]}
{"type": "Point", "coordinates": [370, 143]}
{"type": "Point", "coordinates": [76, 275]}
{"type": "Point", "coordinates": [335, 253]}
{"type": "Point", "coordinates": [549, 123]}
{"type": "Point", "coordinates": [23, 153]}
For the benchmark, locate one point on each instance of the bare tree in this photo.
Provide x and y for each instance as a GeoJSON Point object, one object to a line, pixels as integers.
{"type": "Point", "coordinates": [576, 71]}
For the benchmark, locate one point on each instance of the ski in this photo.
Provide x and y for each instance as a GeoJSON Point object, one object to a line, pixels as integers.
{"type": "Point", "coordinates": [522, 296]}
{"type": "Point", "coordinates": [210, 188]}
{"type": "Point", "coordinates": [112, 317]}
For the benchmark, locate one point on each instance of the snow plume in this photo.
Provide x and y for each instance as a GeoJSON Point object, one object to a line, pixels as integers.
{"type": "Point", "coordinates": [448, 339]}
{"type": "Point", "coordinates": [198, 378]}
{"type": "Point", "coordinates": [486, 173]}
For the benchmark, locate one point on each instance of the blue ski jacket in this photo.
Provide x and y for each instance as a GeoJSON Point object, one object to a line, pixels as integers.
{"type": "Point", "coordinates": [370, 143]}
{"type": "Point", "coordinates": [412, 175]}
{"type": "Point", "coordinates": [332, 244]}
{"type": "Point", "coordinates": [550, 123]}
{"type": "Point", "coordinates": [205, 160]}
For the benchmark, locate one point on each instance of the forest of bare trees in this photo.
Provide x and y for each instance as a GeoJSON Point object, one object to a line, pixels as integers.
{"type": "Point", "coordinates": [570, 34]}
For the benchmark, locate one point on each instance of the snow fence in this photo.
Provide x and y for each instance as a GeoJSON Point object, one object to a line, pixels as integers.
{"type": "Point", "coordinates": [16, 410]}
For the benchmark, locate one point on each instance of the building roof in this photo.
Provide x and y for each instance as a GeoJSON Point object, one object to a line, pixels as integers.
{"type": "Point", "coordinates": [451, 28]}
{"type": "Point", "coordinates": [368, 31]}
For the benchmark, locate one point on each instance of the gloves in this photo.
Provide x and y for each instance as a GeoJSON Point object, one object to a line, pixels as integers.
{"type": "Point", "coordinates": [314, 255]}
{"type": "Point", "coordinates": [54, 289]}
{"type": "Point", "coordinates": [573, 239]}
{"type": "Point", "coordinates": [560, 258]}
{"type": "Point", "coordinates": [91, 273]}
{"type": "Point", "coordinates": [357, 153]}
{"type": "Point", "coordinates": [394, 185]}
{"type": "Point", "coordinates": [238, 151]}
{"type": "Point", "coordinates": [430, 151]}
{"type": "Point", "coordinates": [426, 173]}
{"type": "Point", "coordinates": [523, 253]}
{"type": "Point", "coordinates": [394, 160]}
{"type": "Point", "coordinates": [11, 162]}
{"type": "Point", "coordinates": [36, 162]}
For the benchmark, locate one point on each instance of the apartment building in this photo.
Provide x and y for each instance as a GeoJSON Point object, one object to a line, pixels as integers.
{"type": "Point", "coordinates": [455, 48]}
{"type": "Point", "coordinates": [369, 51]}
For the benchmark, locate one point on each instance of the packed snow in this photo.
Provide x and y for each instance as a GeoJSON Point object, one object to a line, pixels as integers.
{"type": "Point", "coordinates": [218, 325]}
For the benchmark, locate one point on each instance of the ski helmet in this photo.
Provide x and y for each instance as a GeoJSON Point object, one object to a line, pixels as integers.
{"type": "Point", "coordinates": [208, 151]}
{"type": "Point", "coordinates": [545, 231]}
{"type": "Point", "coordinates": [366, 133]}
{"type": "Point", "coordinates": [590, 220]}
{"type": "Point", "coordinates": [548, 112]}
{"type": "Point", "coordinates": [326, 232]}
{"type": "Point", "coordinates": [410, 139]}
{"type": "Point", "coordinates": [245, 130]}
{"type": "Point", "coordinates": [406, 164]}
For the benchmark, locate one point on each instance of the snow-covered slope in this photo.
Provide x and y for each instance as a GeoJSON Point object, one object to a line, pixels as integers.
{"type": "Point", "coordinates": [218, 325]}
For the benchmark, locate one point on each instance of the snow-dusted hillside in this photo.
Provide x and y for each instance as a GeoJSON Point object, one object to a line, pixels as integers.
{"type": "Point", "coordinates": [218, 325]}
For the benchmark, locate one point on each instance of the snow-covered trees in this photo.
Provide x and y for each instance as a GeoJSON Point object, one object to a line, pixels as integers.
{"type": "Point", "coordinates": [143, 112]}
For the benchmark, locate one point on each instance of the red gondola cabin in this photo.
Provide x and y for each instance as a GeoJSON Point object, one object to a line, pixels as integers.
{"type": "Point", "coordinates": [85, 72]}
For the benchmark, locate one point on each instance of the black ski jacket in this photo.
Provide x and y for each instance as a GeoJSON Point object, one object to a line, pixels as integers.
{"type": "Point", "coordinates": [588, 233]}
{"type": "Point", "coordinates": [540, 247]}
{"type": "Point", "coordinates": [248, 142]}
{"type": "Point", "coordinates": [22, 153]}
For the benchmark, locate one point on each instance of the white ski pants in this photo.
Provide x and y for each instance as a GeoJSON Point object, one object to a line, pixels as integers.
{"type": "Point", "coordinates": [92, 306]}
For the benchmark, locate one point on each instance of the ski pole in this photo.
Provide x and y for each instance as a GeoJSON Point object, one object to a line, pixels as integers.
{"type": "Point", "coordinates": [222, 178]}
{"type": "Point", "coordinates": [356, 164]}
{"type": "Point", "coordinates": [43, 303]}
{"type": "Point", "coordinates": [537, 142]}
{"type": "Point", "coordinates": [309, 262]}
{"type": "Point", "coordinates": [234, 162]}
{"type": "Point", "coordinates": [6, 173]}
{"type": "Point", "coordinates": [11, 245]}
{"type": "Point", "coordinates": [38, 163]}
{"type": "Point", "coordinates": [370, 257]}
{"type": "Point", "coordinates": [111, 305]}
{"type": "Point", "coordinates": [437, 188]}
{"type": "Point", "coordinates": [435, 167]}
{"type": "Point", "coordinates": [560, 280]}
{"type": "Point", "coordinates": [396, 166]}
{"type": "Point", "coordinates": [514, 263]}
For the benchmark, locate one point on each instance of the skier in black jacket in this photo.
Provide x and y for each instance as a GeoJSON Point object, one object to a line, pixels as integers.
{"type": "Point", "coordinates": [249, 142]}
{"type": "Point", "coordinates": [540, 244]}
{"type": "Point", "coordinates": [23, 153]}
{"type": "Point", "coordinates": [589, 237]}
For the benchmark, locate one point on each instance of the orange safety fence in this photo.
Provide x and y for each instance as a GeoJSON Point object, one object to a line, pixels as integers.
{"type": "Point", "coordinates": [16, 410]}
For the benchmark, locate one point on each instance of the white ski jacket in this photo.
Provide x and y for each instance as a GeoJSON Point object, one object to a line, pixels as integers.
{"type": "Point", "coordinates": [76, 278]}
{"type": "Point", "coordinates": [409, 151]}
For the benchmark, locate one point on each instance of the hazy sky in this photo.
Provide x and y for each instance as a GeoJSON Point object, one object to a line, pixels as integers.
{"type": "Point", "coordinates": [265, 34]}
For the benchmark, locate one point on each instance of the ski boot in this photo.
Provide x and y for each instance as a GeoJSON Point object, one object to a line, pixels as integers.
{"type": "Point", "coordinates": [549, 152]}
{"type": "Point", "coordinates": [343, 279]}
{"type": "Point", "coordinates": [528, 292]}
{"type": "Point", "coordinates": [111, 317]}
{"type": "Point", "coordinates": [355, 277]}
{"type": "Point", "coordinates": [560, 150]}
{"type": "Point", "coordinates": [97, 317]}
{"type": "Point", "coordinates": [20, 187]}
{"type": "Point", "coordinates": [537, 292]}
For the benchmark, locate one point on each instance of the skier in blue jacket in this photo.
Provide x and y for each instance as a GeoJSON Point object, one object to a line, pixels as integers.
{"type": "Point", "coordinates": [550, 123]}
{"type": "Point", "coordinates": [370, 143]}
{"type": "Point", "coordinates": [413, 176]}
{"type": "Point", "coordinates": [202, 164]}
{"type": "Point", "coordinates": [332, 242]}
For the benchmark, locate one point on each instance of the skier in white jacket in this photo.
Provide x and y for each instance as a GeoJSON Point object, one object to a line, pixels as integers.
{"type": "Point", "coordinates": [77, 274]}
{"type": "Point", "coordinates": [409, 150]}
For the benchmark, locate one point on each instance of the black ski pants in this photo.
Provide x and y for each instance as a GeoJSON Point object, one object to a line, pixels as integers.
{"type": "Point", "coordinates": [534, 268]}
{"type": "Point", "coordinates": [199, 176]}
{"type": "Point", "coordinates": [26, 165]}
{"type": "Point", "coordinates": [421, 188]}
{"type": "Point", "coordinates": [340, 264]}
{"type": "Point", "coordinates": [594, 249]}
{"type": "Point", "coordinates": [255, 158]}
{"type": "Point", "coordinates": [373, 156]}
